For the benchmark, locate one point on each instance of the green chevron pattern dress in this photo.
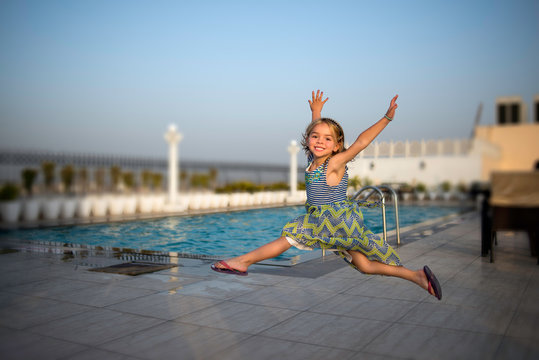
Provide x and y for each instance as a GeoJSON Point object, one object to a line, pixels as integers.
{"type": "Point", "coordinates": [334, 223]}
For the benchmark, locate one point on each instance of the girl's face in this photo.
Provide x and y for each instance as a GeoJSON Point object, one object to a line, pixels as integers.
{"type": "Point", "coordinates": [322, 141]}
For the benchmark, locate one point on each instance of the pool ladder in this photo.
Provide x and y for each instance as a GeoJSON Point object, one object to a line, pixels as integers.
{"type": "Point", "coordinates": [380, 191]}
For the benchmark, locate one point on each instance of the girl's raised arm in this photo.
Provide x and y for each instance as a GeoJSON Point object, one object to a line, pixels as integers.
{"type": "Point", "coordinates": [367, 136]}
{"type": "Point", "coordinates": [317, 104]}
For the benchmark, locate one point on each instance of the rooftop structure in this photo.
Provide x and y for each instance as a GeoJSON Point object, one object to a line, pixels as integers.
{"type": "Point", "coordinates": [511, 144]}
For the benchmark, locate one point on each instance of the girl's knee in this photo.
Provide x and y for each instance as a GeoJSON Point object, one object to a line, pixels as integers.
{"type": "Point", "coordinates": [362, 263]}
{"type": "Point", "coordinates": [365, 267]}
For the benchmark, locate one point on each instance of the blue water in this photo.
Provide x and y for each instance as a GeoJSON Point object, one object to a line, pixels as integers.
{"type": "Point", "coordinates": [222, 234]}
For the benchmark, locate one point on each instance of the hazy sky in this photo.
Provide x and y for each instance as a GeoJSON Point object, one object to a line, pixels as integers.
{"type": "Point", "coordinates": [110, 76]}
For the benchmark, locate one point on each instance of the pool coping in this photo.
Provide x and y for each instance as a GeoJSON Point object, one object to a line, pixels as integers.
{"type": "Point", "coordinates": [44, 223]}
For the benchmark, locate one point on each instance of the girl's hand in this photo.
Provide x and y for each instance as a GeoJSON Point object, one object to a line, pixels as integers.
{"type": "Point", "coordinates": [392, 107]}
{"type": "Point", "coordinates": [317, 104]}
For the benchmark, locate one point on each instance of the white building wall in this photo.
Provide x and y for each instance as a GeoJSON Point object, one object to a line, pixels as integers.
{"type": "Point", "coordinates": [430, 171]}
{"type": "Point", "coordinates": [429, 162]}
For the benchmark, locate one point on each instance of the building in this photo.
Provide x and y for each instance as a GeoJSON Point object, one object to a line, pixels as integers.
{"type": "Point", "coordinates": [512, 144]}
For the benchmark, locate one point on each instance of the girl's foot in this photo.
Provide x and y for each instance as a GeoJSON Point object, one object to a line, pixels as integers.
{"type": "Point", "coordinates": [230, 267]}
{"type": "Point", "coordinates": [430, 283]}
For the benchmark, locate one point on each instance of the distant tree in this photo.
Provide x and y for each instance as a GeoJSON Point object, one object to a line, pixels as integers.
{"type": "Point", "coordinates": [83, 178]}
{"type": "Point", "coordinates": [129, 180]}
{"type": "Point", "coordinates": [183, 179]}
{"type": "Point", "coordinates": [146, 179]}
{"type": "Point", "coordinates": [420, 187]}
{"type": "Point", "coordinates": [446, 186]}
{"type": "Point", "coordinates": [48, 173]}
{"type": "Point", "coordinates": [157, 181]}
{"type": "Point", "coordinates": [9, 192]}
{"type": "Point", "coordinates": [200, 180]}
{"type": "Point", "coordinates": [100, 179]}
{"type": "Point", "coordinates": [354, 182]}
{"type": "Point", "coordinates": [239, 186]}
{"type": "Point", "coordinates": [115, 175]}
{"type": "Point", "coordinates": [213, 174]}
{"type": "Point", "coordinates": [68, 175]}
{"type": "Point", "coordinates": [278, 186]}
{"type": "Point", "coordinates": [28, 178]}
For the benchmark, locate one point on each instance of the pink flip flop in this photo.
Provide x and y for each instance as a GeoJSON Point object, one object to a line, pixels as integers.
{"type": "Point", "coordinates": [227, 269]}
{"type": "Point", "coordinates": [433, 283]}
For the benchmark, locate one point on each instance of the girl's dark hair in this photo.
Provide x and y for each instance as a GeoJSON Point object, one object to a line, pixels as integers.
{"type": "Point", "coordinates": [333, 125]}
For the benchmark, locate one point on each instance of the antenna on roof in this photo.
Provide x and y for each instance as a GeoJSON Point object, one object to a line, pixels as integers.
{"type": "Point", "coordinates": [477, 119]}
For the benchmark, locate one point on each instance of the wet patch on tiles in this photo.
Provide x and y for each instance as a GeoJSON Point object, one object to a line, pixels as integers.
{"type": "Point", "coordinates": [134, 268]}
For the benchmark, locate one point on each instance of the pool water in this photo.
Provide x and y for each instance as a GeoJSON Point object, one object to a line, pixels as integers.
{"type": "Point", "coordinates": [218, 235]}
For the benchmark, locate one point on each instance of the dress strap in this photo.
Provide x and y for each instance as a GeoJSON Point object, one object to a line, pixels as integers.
{"type": "Point", "coordinates": [326, 163]}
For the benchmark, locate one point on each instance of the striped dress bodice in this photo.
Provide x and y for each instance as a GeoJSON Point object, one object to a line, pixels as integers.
{"type": "Point", "coordinates": [318, 191]}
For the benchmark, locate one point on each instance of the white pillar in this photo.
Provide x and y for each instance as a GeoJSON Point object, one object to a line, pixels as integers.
{"type": "Point", "coordinates": [293, 149]}
{"type": "Point", "coordinates": [173, 137]}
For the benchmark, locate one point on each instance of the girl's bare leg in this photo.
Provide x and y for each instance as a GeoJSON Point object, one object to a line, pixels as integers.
{"type": "Point", "coordinates": [377, 268]}
{"type": "Point", "coordinates": [267, 251]}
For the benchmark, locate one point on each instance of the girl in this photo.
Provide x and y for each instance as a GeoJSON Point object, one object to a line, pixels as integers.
{"type": "Point", "coordinates": [332, 221]}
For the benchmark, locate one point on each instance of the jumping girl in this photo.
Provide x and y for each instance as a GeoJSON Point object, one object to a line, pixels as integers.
{"type": "Point", "coordinates": [333, 222]}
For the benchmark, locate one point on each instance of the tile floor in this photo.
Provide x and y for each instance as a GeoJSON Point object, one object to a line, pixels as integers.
{"type": "Point", "coordinates": [51, 307]}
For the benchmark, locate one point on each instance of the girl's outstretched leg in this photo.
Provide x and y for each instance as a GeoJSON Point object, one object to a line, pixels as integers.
{"type": "Point", "coordinates": [267, 251]}
{"type": "Point", "coordinates": [377, 268]}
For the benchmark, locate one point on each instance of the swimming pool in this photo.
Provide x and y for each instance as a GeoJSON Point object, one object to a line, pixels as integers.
{"type": "Point", "coordinates": [218, 235]}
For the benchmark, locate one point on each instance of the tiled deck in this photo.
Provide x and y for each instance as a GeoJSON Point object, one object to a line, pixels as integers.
{"type": "Point", "coordinates": [53, 308]}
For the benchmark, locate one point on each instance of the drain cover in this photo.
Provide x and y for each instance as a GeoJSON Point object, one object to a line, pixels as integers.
{"type": "Point", "coordinates": [134, 268]}
{"type": "Point", "coordinates": [7, 251]}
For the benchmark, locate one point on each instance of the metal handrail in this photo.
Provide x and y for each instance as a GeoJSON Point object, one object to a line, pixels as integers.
{"type": "Point", "coordinates": [382, 198]}
{"type": "Point", "coordinates": [396, 203]}
{"type": "Point", "coordinates": [379, 191]}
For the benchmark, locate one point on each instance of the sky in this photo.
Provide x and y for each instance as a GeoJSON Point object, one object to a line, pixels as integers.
{"type": "Point", "coordinates": [109, 77]}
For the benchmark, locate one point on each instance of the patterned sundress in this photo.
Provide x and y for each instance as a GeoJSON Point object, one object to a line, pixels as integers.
{"type": "Point", "coordinates": [335, 223]}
